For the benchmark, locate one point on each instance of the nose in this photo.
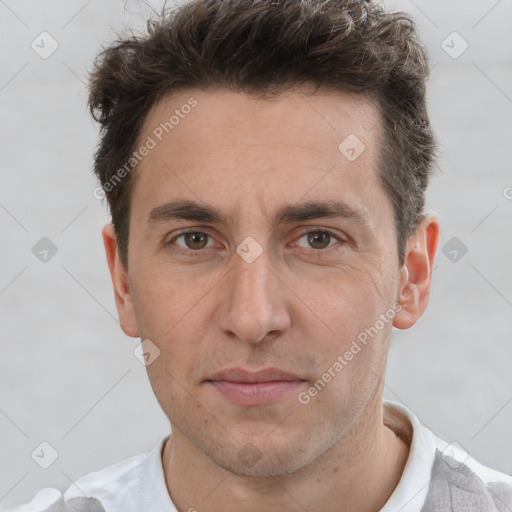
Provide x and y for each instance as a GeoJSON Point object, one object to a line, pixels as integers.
{"type": "Point", "coordinates": [252, 306]}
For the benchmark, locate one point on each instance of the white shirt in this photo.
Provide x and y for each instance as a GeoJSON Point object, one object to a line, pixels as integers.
{"type": "Point", "coordinates": [138, 484]}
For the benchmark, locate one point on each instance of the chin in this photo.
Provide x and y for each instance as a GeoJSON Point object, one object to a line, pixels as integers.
{"type": "Point", "coordinates": [262, 458]}
{"type": "Point", "coordinates": [265, 466]}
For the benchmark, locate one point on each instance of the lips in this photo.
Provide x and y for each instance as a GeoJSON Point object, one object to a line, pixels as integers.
{"type": "Point", "coordinates": [245, 388]}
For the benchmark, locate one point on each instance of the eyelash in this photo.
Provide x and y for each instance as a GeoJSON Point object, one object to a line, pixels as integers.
{"type": "Point", "coordinates": [200, 252]}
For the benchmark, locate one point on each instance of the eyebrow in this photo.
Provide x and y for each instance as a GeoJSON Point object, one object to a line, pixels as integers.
{"type": "Point", "coordinates": [190, 210]}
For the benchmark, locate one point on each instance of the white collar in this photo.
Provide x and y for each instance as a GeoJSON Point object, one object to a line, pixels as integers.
{"type": "Point", "coordinates": [412, 489]}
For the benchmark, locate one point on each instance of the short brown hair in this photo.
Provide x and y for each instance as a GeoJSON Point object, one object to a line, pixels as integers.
{"type": "Point", "coordinates": [264, 47]}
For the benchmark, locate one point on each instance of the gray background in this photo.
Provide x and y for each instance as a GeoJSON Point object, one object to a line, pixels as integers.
{"type": "Point", "coordinates": [68, 375]}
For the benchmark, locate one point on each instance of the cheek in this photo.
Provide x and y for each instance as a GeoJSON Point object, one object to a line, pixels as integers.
{"type": "Point", "coordinates": [173, 374]}
{"type": "Point", "coordinates": [174, 393]}
{"type": "Point", "coordinates": [344, 304]}
{"type": "Point", "coordinates": [350, 335]}
{"type": "Point", "coordinates": [165, 309]}
{"type": "Point", "coordinates": [167, 296]}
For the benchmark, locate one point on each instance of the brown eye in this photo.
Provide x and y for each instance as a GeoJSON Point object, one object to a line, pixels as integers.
{"type": "Point", "coordinates": [195, 240]}
{"type": "Point", "coordinates": [190, 242]}
{"type": "Point", "coordinates": [319, 239]}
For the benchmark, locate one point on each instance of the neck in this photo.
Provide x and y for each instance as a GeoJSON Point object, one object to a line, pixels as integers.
{"type": "Point", "coordinates": [359, 472]}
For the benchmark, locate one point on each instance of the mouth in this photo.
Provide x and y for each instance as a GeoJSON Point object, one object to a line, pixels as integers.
{"type": "Point", "coordinates": [245, 388]}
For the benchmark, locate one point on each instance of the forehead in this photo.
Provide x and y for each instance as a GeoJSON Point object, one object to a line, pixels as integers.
{"type": "Point", "coordinates": [214, 144]}
{"type": "Point", "coordinates": [253, 119]}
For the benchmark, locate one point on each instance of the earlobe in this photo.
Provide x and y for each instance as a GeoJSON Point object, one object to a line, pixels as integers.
{"type": "Point", "coordinates": [415, 275]}
{"type": "Point", "coordinates": [120, 282]}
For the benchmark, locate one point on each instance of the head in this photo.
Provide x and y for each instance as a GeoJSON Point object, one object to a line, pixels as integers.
{"type": "Point", "coordinates": [299, 131]}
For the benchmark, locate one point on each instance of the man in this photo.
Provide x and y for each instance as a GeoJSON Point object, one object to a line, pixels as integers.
{"type": "Point", "coordinates": [265, 163]}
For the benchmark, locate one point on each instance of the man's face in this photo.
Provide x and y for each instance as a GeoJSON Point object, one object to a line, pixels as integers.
{"type": "Point", "coordinates": [211, 302]}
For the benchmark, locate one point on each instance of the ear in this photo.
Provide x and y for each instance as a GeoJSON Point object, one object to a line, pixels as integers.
{"type": "Point", "coordinates": [415, 275]}
{"type": "Point", "coordinates": [119, 275]}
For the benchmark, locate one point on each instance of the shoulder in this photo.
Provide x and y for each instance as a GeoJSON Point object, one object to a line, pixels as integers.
{"type": "Point", "coordinates": [460, 482]}
{"type": "Point", "coordinates": [455, 455]}
{"type": "Point", "coordinates": [52, 500]}
{"type": "Point", "coordinates": [98, 490]}
{"type": "Point", "coordinates": [438, 474]}
{"type": "Point", "coordinates": [117, 480]}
